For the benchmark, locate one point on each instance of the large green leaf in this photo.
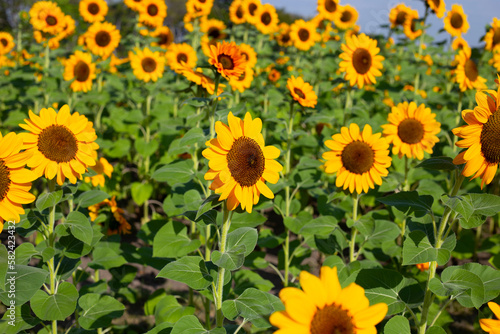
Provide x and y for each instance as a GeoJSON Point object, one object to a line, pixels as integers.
{"type": "Point", "coordinates": [473, 208]}
{"type": "Point", "coordinates": [231, 259]}
{"type": "Point", "coordinates": [418, 249]}
{"type": "Point", "coordinates": [98, 310]}
{"type": "Point", "coordinates": [321, 226]}
{"type": "Point", "coordinates": [18, 320]}
{"type": "Point", "coordinates": [141, 192]}
{"type": "Point", "coordinates": [467, 287]}
{"type": "Point", "coordinates": [174, 173]}
{"type": "Point", "coordinates": [47, 200]}
{"type": "Point", "coordinates": [80, 226]}
{"type": "Point", "coordinates": [172, 240]}
{"type": "Point", "coordinates": [168, 309]}
{"type": "Point", "coordinates": [27, 282]}
{"type": "Point", "coordinates": [190, 324]}
{"type": "Point", "coordinates": [409, 202]}
{"type": "Point", "coordinates": [91, 197]}
{"type": "Point", "coordinates": [397, 325]}
{"type": "Point", "coordinates": [58, 306]}
{"type": "Point", "coordinates": [438, 163]}
{"type": "Point", "coordinates": [190, 270]}
{"type": "Point", "coordinates": [245, 236]}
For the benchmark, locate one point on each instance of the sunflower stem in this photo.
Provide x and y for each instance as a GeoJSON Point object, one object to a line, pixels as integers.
{"type": "Point", "coordinates": [52, 272]}
{"type": "Point", "coordinates": [147, 139]}
{"type": "Point", "coordinates": [352, 243]}
{"type": "Point", "coordinates": [288, 198]}
{"type": "Point", "coordinates": [226, 224]}
{"type": "Point", "coordinates": [348, 105]}
{"type": "Point", "coordinates": [214, 105]}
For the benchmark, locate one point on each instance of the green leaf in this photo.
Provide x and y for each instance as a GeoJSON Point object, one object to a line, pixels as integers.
{"type": "Point", "coordinates": [169, 310]}
{"type": "Point", "coordinates": [409, 202]}
{"type": "Point", "coordinates": [231, 259]}
{"type": "Point", "coordinates": [321, 226]}
{"type": "Point", "coordinates": [146, 149]}
{"type": "Point", "coordinates": [4, 263]}
{"type": "Point", "coordinates": [106, 258]}
{"type": "Point", "coordinates": [55, 307]}
{"type": "Point", "coordinates": [190, 324]}
{"type": "Point", "coordinates": [190, 270]}
{"type": "Point", "coordinates": [438, 163]}
{"type": "Point", "coordinates": [246, 236]}
{"type": "Point", "coordinates": [24, 252]}
{"type": "Point", "coordinates": [91, 197]}
{"type": "Point", "coordinates": [98, 311]}
{"type": "Point", "coordinates": [473, 208]}
{"type": "Point", "coordinates": [253, 305]}
{"type": "Point", "coordinates": [141, 192]}
{"type": "Point", "coordinates": [435, 330]}
{"type": "Point", "coordinates": [18, 321]}
{"type": "Point", "coordinates": [47, 200]}
{"type": "Point", "coordinates": [174, 173]}
{"type": "Point", "coordinates": [80, 226]}
{"type": "Point", "coordinates": [172, 240]}
{"type": "Point", "coordinates": [397, 325]}
{"type": "Point", "coordinates": [193, 136]}
{"type": "Point", "coordinates": [28, 281]}
{"type": "Point", "coordinates": [467, 287]}
{"type": "Point", "coordinates": [418, 249]}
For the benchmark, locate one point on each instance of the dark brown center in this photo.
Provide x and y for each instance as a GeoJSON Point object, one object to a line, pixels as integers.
{"type": "Point", "coordinates": [182, 57]}
{"type": "Point", "coordinates": [214, 32]}
{"type": "Point", "coordinates": [51, 20]}
{"type": "Point", "coordinates": [226, 61]}
{"type": "Point", "coordinates": [304, 34]}
{"type": "Point", "coordinates": [102, 38]}
{"type": "Point", "coordinates": [490, 138]}
{"type": "Point", "coordinates": [436, 3]}
{"type": "Point", "coordinates": [152, 9]}
{"type": "Point", "coordinates": [242, 76]}
{"type": "Point", "coordinates": [246, 161]}
{"type": "Point", "coordinates": [330, 6]}
{"type": "Point", "coordinates": [81, 71]}
{"type": "Point", "coordinates": [265, 18]}
{"type": "Point", "coordinates": [93, 8]}
{"type": "Point", "coordinates": [332, 320]}
{"type": "Point", "coordinates": [470, 70]}
{"type": "Point", "coordinates": [362, 60]}
{"type": "Point", "coordinates": [299, 93]}
{"type": "Point", "coordinates": [400, 18]}
{"type": "Point", "coordinates": [357, 157]}
{"type": "Point", "coordinates": [57, 143]}
{"type": "Point", "coordinates": [346, 16]}
{"type": "Point", "coordinates": [410, 131]}
{"type": "Point", "coordinates": [239, 13]}
{"type": "Point", "coordinates": [4, 180]}
{"type": "Point", "coordinates": [252, 8]}
{"type": "Point", "coordinates": [285, 38]}
{"type": "Point", "coordinates": [4, 41]}
{"type": "Point", "coordinates": [456, 21]}
{"type": "Point", "coordinates": [148, 64]}
{"type": "Point", "coordinates": [496, 36]}
{"type": "Point", "coordinates": [163, 39]}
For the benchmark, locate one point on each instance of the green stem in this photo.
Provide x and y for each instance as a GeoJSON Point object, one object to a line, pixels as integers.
{"type": "Point", "coordinates": [207, 243]}
{"type": "Point", "coordinates": [147, 139]}
{"type": "Point", "coordinates": [47, 56]}
{"type": "Point", "coordinates": [220, 279]}
{"type": "Point", "coordinates": [215, 101]}
{"type": "Point", "coordinates": [52, 272]}
{"type": "Point", "coordinates": [352, 243]}
{"type": "Point", "coordinates": [348, 105]}
{"type": "Point", "coordinates": [288, 198]}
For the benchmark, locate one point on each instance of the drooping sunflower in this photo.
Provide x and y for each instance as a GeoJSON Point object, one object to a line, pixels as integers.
{"type": "Point", "coordinates": [480, 137]}
{"type": "Point", "coordinates": [266, 19]}
{"type": "Point", "coordinates": [302, 92]}
{"type": "Point", "coordinates": [411, 130]}
{"type": "Point", "coordinates": [243, 82]}
{"type": "Point", "coordinates": [347, 17]}
{"type": "Point", "coordinates": [102, 167]}
{"type": "Point", "coordinates": [237, 12]}
{"type": "Point", "coordinates": [496, 59]}
{"type": "Point", "coordinates": [283, 36]}
{"type": "Point", "coordinates": [328, 9]}
{"type": "Point", "coordinates": [455, 23]}
{"type": "Point", "coordinates": [491, 325]}
{"type": "Point", "coordinates": [360, 159]}
{"type": "Point", "coordinates": [202, 80]}
{"type": "Point", "coordinates": [467, 73]}
{"type": "Point", "coordinates": [133, 4]}
{"type": "Point", "coordinates": [240, 163]}
{"type": "Point", "coordinates": [93, 10]}
{"type": "Point", "coordinates": [164, 37]}
{"type": "Point", "coordinates": [303, 34]}
{"type": "Point", "coordinates": [147, 65]}
{"type": "Point", "coordinates": [249, 54]}
{"type": "Point", "coordinates": [459, 43]}
{"type": "Point", "coordinates": [6, 43]}
{"type": "Point", "coordinates": [114, 222]}
{"type": "Point", "coordinates": [102, 38]}
{"type": "Point", "coordinates": [213, 28]}
{"type": "Point", "coordinates": [361, 61]}
{"type": "Point", "coordinates": [250, 7]}
{"type": "Point", "coordinates": [46, 16]}
{"type": "Point", "coordinates": [62, 144]}
{"type": "Point", "coordinates": [15, 180]}
{"type": "Point", "coordinates": [410, 25]}
{"type": "Point", "coordinates": [492, 37]}
{"type": "Point", "coordinates": [152, 12]}
{"type": "Point", "coordinates": [180, 56]}
{"type": "Point", "coordinates": [227, 59]}
{"type": "Point", "coordinates": [397, 15]}
{"type": "Point", "coordinates": [79, 67]}
{"type": "Point", "coordinates": [322, 306]}
{"type": "Point", "coordinates": [437, 6]}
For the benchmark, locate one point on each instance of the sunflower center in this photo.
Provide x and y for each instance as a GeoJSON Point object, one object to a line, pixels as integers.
{"type": "Point", "coordinates": [81, 71]}
{"type": "Point", "coordinates": [496, 36]}
{"type": "Point", "coordinates": [152, 10]}
{"type": "Point", "coordinates": [214, 32]}
{"type": "Point", "coordinates": [239, 13]}
{"type": "Point", "coordinates": [51, 20]}
{"type": "Point", "coordinates": [330, 6]}
{"type": "Point", "coordinates": [410, 131]}
{"type": "Point", "coordinates": [490, 138]}
{"type": "Point", "coordinates": [470, 69]}
{"type": "Point", "coordinates": [163, 39]}
{"type": "Point", "coordinates": [226, 61]}
{"type": "Point", "coordinates": [285, 38]}
{"type": "Point", "coordinates": [357, 157]}
{"type": "Point", "coordinates": [102, 38]}
{"type": "Point", "coordinates": [4, 42]}
{"type": "Point", "coordinates": [346, 16]}
{"type": "Point", "coordinates": [93, 8]}
{"type": "Point", "coordinates": [57, 143]}
{"type": "Point", "coordinates": [4, 180]}
{"type": "Point", "coordinates": [245, 55]}
{"type": "Point", "coordinates": [303, 34]}
{"type": "Point", "coordinates": [401, 17]}
{"type": "Point", "coordinates": [456, 21]}
{"type": "Point", "coordinates": [362, 60]}
{"type": "Point", "coordinates": [299, 93]}
{"type": "Point", "coordinates": [252, 8]}
{"type": "Point", "coordinates": [436, 2]}
{"type": "Point", "coordinates": [332, 320]}
{"type": "Point", "coordinates": [413, 26]}
{"type": "Point", "coordinates": [242, 76]}
{"type": "Point", "coordinates": [246, 161]}
{"type": "Point", "coordinates": [181, 57]}
{"type": "Point", "coordinates": [265, 18]}
{"type": "Point", "coordinates": [148, 64]}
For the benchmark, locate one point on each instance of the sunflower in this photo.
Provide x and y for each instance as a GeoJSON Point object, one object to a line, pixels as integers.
{"type": "Point", "coordinates": [93, 10]}
{"type": "Point", "coordinates": [227, 59]}
{"type": "Point", "coordinates": [250, 7]}
{"type": "Point", "coordinates": [283, 37]}
{"type": "Point", "coordinates": [410, 25]}
{"type": "Point", "coordinates": [459, 43]}
{"type": "Point", "coordinates": [115, 222]}
{"type": "Point", "coordinates": [213, 28]}
{"type": "Point", "coordinates": [480, 137]}
{"type": "Point", "coordinates": [6, 43]}
{"type": "Point", "coordinates": [361, 61]}
{"type": "Point", "coordinates": [102, 38]}
{"type": "Point", "coordinates": [438, 7]}
{"type": "Point", "coordinates": [322, 306]}
{"type": "Point", "coordinates": [397, 15]}
{"type": "Point", "coordinates": [359, 159]}
{"type": "Point", "coordinates": [237, 12]}
{"type": "Point", "coordinates": [152, 12]}
{"type": "Point", "coordinates": [491, 325]}
{"type": "Point", "coordinates": [62, 144]}
{"type": "Point", "coordinates": [467, 73]}
{"type": "Point", "coordinates": [115, 61]}
{"type": "Point", "coordinates": [47, 17]}
{"type": "Point", "coordinates": [180, 56]}
{"type": "Point", "coordinates": [303, 34]}
{"type": "Point", "coordinates": [197, 8]}
{"type": "Point", "coordinates": [456, 21]}
{"type": "Point", "coordinates": [274, 75]}
{"type": "Point", "coordinates": [202, 80]}
{"type": "Point", "coordinates": [423, 266]}
{"type": "Point", "coordinates": [243, 82]}
{"type": "Point", "coordinates": [302, 92]}
{"type": "Point", "coordinates": [240, 163]}
{"type": "Point", "coordinates": [411, 130]}
{"type": "Point", "coordinates": [133, 4]}
{"type": "Point", "coordinates": [328, 9]}
{"type": "Point", "coordinates": [347, 17]}
{"type": "Point", "coordinates": [15, 180]}
{"type": "Point", "coordinates": [80, 68]}
{"type": "Point", "coordinates": [266, 19]}
{"type": "Point", "coordinates": [249, 54]}
{"type": "Point", "coordinates": [147, 65]}
{"type": "Point", "coordinates": [102, 167]}
{"type": "Point", "coordinates": [492, 37]}
{"type": "Point", "coordinates": [164, 37]}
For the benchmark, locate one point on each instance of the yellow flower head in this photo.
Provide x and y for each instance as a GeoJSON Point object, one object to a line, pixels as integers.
{"type": "Point", "coordinates": [79, 67]}
{"type": "Point", "coordinates": [266, 19]}
{"type": "Point", "coordinates": [491, 325]}
{"type": "Point", "coordinates": [303, 34]}
{"type": "Point", "coordinates": [93, 10]}
{"type": "Point", "coordinates": [102, 167]}
{"type": "Point", "coordinates": [328, 9]}
{"type": "Point", "coordinates": [237, 12]}
{"type": "Point", "coordinates": [227, 59]}
{"type": "Point", "coordinates": [459, 43]}
{"type": "Point", "coordinates": [302, 92]}
{"type": "Point", "coordinates": [46, 16]}
{"type": "Point", "coordinates": [164, 37]}
{"type": "Point", "coordinates": [6, 43]}
{"type": "Point", "coordinates": [492, 37]}
{"type": "Point", "coordinates": [456, 21]}
{"type": "Point", "coordinates": [397, 15]}
{"type": "Point", "coordinates": [181, 56]}
{"type": "Point", "coordinates": [467, 73]}
{"type": "Point", "coordinates": [152, 12]}
{"type": "Point", "coordinates": [347, 17]}
{"type": "Point", "coordinates": [102, 38]}
{"type": "Point", "coordinates": [147, 65]}
{"type": "Point", "coordinates": [243, 82]}
{"type": "Point", "coordinates": [438, 7]}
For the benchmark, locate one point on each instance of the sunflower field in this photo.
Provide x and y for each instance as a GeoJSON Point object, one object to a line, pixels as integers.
{"type": "Point", "coordinates": [247, 172]}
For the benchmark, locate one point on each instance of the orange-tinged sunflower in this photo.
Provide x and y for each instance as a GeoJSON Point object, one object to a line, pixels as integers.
{"type": "Point", "coordinates": [147, 65]}
{"type": "Point", "coordinates": [491, 325]}
{"type": "Point", "coordinates": [237, 12]}
{"type": "Point", "coordinates": [249, 54]}
{"type": "Point", "coordinates": [437, 7]}
{"type": "Point", "coordinates": [240, 163]}
{"type": "Point", "coordinates": [347, 17]}
{"type": "Point", "coordinates": [115, 222]}
{"type": "Point", "coordinates": [213, 28]}
{"type": "Point", "coordinates": [459, 43]}
{"type": "Point", "coordinates": [411, 130]}
{"type": "Point", "coordinates": [102, 167]}
{"type": "Point", "coordinates": [302, 92]}
{"type": "Point", "coordinates": [480, 137]}
{"type": "Point", "coordinates": [202, 80]}
{"type": "Point", "coordinates": [6, 43]}
{"type": "Point", "coordinates": [467, 73]}
{"type": "Point", "coordinates": [133, 4]}
{"type": "Point", "coordinates": [266, 19]}
{"type": "Point", "coordinates": [492, 37]}
{"type": "Point", "coordinates": [410, 25]}
{"type": "Point", "coordinates": [93, 10]}
{"type": "Point", "coordinates": [62, 144]}
{"type": "Point", "coordinates": [15, 180]}
{"type": "Point", "coordinates": [102, 38]}
{"type": "Point", "coordinates": [303, 34]}
{"type": "Point", "coordinates": [283, 37]}
{"type": "Point", "coordinates": [250, 7]}
{"type": "Point", "coordinates": [361, 61]}
{"type": "Point", "coordinates": [181, 56]}
{"type": "Point", "coordinates": [243, 82]}
{"type": "Point", "coordinates": [79, 67]}
{"type": "Point", "coordinates": [360, 159]}
{"type": "Point", "coordinates": [322, 307]}
{"type": "Point", "coordinates": [152, 12]}
{"type": "Point", "coordinates": [227, 59]}
{"type": "Point", "coordinates": [164, 37]}
{"type": "Point", "coordinates": [274, 75]}
{"type": "Point", "coordinates": [397, 15]}
{"type": "Point", "coordinates": [328, 9]}
{"type": "Point", "coordinates": [455, 22]}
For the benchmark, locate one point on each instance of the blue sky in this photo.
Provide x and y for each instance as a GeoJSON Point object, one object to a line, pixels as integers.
{"type": "Point", "coordinates": [372, 13]}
